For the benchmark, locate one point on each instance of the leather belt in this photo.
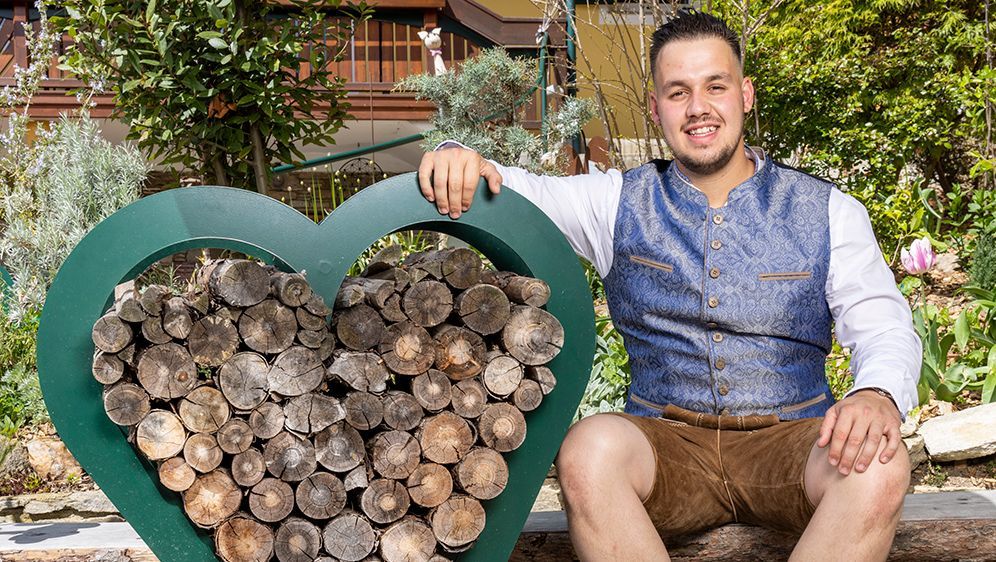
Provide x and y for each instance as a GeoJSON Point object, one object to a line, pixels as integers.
{"type": "Point", "coordinates": [710, 421]}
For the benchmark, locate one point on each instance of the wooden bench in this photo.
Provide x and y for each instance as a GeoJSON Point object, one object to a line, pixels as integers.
{"type": "Point", "coordinates": [934, 527]}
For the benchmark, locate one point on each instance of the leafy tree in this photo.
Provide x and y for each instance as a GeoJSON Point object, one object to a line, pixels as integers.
{"type": "Point", "coordinates": [886, 97]}
{"type": "Point", "coordinates": [215, 84]}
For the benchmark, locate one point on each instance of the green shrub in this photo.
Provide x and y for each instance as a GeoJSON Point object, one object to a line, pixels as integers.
{"type": "Point", "coordinates": [610, 375]}
{"type": "Point", "coordinates": [983, 269]}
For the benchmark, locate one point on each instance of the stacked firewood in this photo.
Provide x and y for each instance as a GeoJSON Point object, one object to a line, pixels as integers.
{"type": "Point", "coordinates": [377, 435]}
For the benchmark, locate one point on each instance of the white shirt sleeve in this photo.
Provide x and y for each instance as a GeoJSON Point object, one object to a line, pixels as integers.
{"type": "Point", "coordinates": [583, 207]}
{"type": "Point", "coordinates": [872, 317]}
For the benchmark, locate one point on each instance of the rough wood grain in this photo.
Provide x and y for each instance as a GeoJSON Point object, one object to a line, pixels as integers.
{"type": "Point", "coordinates": [243, 380]}
{"type": "Point", "coordinates": [268, 327]}
{"type": "Point", "coordinates": [312, 412]}
{"type": "Point", "coordinates": [395, 454]}
{"type": "Point", "coordinates": [339, 447]}
{"type": "Point", "coordinates": [202, 453]}
{"type": "Point", "coordinates": [176, 474]}
{"type": "Point", "coordinates": [430, 484]}
{"type": "Point", "coordinates": [290, 288]}
{"type": "Point", "coordinates": [445, 438]}
{"type": "Point", "coordinates": [483, 473]}
{"type": "Point", "coordinates": [361, 371]}
{"type": "Point", "coordinates": [408, 540]}
{"type": "Point", "coordinates": [407, 349]}
{"type": "Point", "coordinates": [167, 371]}
{"type": "Point", "coordinates": [349, 537]}
{"type": "Point", "coordinates": [267, 420]}
{"type": "Point", "coordinates": [432, 390]}
{"type": "Point", "coordinates": [401, 410]}
{"type": "Point", "coordinates": [243, 539]}
{"type": "Point", "coordinates": [248, 468]}
{"type": "Point", "coordinates": [364, 410]}
{"type": "Point", "coordinates": [385, 501]}
{"type": "Point", "coordinates": [297, 540]}
{"type": "Point", "coordinates": [289, 457]}
{"type": "Point", "coordinates": [296, 371]}
{"type": "Point", "coordinates": [111, 334]}
{"type": "Point", "coordinates": [460, 352]}
{"type": "Point", "coordinates": [235, 436]}
{"type": "Point", "coordinates": [212, 498]}
{"type": "Point", "coordinates": [458, 521]}
{"type": "Point", "coordinates": [359, 327]}
{"type": "Point", "coordinates": [160, 435]}
{"type": "Point", "coordinates": [271, 500]}
{"type": "Point", "coordinates": [321, 496]}
{"type": "Point", "coordinates": [204, 410]}
{"type": "Point", "coordinates": [240, 282]}
{"type": "Point", "coordinates": [212, 341]}
{"type": "Point", "coordinates": [502, 427]}
{"type": "Point", "coordinates": [427, 303]}
{"type": "Point", "coordinates": [126, 404]}
{"type": "Point", "coordinates": [483, 308]}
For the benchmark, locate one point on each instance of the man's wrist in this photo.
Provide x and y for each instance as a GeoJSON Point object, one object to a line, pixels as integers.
{"type": "Point", "coordinates": [881, 392]}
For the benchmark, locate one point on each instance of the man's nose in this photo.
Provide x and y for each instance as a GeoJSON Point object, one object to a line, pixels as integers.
{"type": "Point", "coordinates": [697, 104]}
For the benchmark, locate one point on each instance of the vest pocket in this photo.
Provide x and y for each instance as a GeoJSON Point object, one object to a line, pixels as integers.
{"type": "Point", "coordinates": [785, 276]}
{"type": "Point", "coordinates": [803, 405]}
{"type": "Point", "coordinates": [652, 263]}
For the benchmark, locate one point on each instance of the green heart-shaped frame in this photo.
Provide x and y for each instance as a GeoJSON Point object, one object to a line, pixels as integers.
{"type": "Point", "coordinates": [512, 232]}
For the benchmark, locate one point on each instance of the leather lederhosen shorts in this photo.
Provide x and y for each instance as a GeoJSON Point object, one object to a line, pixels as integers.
{"type": "Point", "coordinates": [708, 476]}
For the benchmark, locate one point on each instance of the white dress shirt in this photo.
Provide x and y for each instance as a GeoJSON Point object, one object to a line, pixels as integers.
{"type": "Point", "coordinates": [871, 316]}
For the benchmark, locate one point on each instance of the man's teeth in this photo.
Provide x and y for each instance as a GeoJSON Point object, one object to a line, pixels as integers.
{"type": "Point", "coordinates": [702, 131]}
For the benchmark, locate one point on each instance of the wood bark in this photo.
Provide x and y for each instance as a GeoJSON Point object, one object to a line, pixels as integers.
{"type": "Point", "coordinates": [126, 404]}
{"type": "Point", "coordinates": [268, 327]}
{"type": "Point", "coordinates": [544, 376]}
{"type": "Point", "coordinates": [152, 299]}
{"type": "Point", "coordinates": [176, 474]}
{"type": "Point", "coordinates": [385, 259]}
{"type": "Point", "coordinates": [432, 390]}
{"type": "Point", "coordinates": [321, 496]}
{"type": "Point", "coordinates": [212, 498]}
{"type": "Point", "coordinates": [385, 501]}
{"type": "Point", "coordinates": [407, 349]}
{"type": "Point", "coordinates": [128, 308]}
{"type": "Point", "coordinates": [316, 305]}
{"type": "Point", "coordinates": [375, 291]}
{"type": "Point", "coordinates": [430, 484]}
{"type": "Point", "coordinates": [240, 282]}
{"type": "Point", "coordinates": [153, 332]}
{"type": "Point", "coordinates": [243, 539]}
{"type": "Point", "coordinates": [349, 537]}
{"type": "Point", "coordinates": [311, 339]}
{"type": "Point", "coordinates": [297, 540]}
{"type": "Point", "coordinates": [392, 309]}
{"type": "Point", "coordinates": [521, 289]}
{"type": "Point", "coordinates": [308, 321]}
{"type": "Point", "coordinates": [271, 500]}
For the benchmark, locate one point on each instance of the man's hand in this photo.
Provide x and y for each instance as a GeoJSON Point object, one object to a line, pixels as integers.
{"type": "Point", "coordinates": [854, 429]}
{"type": "Point", "coordinates": [448, 177]}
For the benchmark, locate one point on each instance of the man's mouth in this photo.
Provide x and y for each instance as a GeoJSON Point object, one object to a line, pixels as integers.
{"type": "Point", "coordinates": [702, 130]}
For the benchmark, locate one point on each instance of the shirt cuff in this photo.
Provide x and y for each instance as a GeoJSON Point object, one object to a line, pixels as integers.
{"type": "Point", "coordinates": [451, 144]}
{"type": "Point", "coordinates": [889, 384]}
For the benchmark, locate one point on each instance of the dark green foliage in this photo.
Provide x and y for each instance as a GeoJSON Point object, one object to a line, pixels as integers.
{"type": "Point", "coordinates": [983, 269]}
{"type": "Point", "coordinates": [214, 84]}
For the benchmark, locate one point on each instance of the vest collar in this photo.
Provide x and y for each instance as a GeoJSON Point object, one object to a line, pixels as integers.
{"type": "Point", "coordinates": [760, 177]}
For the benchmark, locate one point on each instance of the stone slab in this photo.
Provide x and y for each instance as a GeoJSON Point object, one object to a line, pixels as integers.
{"type": "Point", "coordinates": [966, 434]}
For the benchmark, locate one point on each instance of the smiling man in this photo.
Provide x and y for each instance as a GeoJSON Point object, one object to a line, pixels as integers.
{"type": "Point", "coordinates": [726, 273]}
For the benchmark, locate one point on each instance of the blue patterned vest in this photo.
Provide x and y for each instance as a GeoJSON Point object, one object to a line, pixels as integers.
{"type": "Point", "coordinates": [723, 311]}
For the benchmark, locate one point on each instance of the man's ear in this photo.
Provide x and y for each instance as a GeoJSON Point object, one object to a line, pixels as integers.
{"type": "Point", "coordinates": [653, 107]}
{"type": "Point", "coordinates": [748, 90]}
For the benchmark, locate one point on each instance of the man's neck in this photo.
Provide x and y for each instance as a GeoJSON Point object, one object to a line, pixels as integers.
{"type": "Point", "coordinates": [718, 185]}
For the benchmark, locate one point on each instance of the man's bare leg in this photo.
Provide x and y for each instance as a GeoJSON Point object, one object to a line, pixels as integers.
{"type": "Point", "coordinates": [606, 469]}
{"type": "Point", "coordinates": [857, 514]}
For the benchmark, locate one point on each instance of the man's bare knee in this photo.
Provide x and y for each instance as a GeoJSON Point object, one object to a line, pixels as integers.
{"type": "Point", "coordinates": [601, 454]}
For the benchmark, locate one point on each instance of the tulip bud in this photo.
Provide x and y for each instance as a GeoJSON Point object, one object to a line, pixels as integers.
{"type": "Point", "coordinates": [919, 257]}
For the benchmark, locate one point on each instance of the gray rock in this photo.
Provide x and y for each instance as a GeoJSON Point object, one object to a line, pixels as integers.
{"type": "Point", "coordinates": [93, 502]}
{"type": "Point", "coordinates": [916, 449]}
{"type": "Point", "coordinates": [548, 498]}
{"type": "Point", "coordinates": [908, 428]}
{"type": "Point", "coordinates": [13, 457]}
{"type": "Point", "coordinates": [967, 434]}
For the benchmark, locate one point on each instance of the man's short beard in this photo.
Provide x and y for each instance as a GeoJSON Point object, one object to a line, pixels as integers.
{"type": "Point", "coordinates": [708, 165]}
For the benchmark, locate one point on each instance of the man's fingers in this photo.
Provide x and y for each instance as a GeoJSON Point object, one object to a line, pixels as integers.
{"type": "Point", "coordinates": [852, 445]}
{"type": "Point", "coordinates": [425, 176]}
{"type": "Point", "coordinates": [491, 174]}
{"type": "Point", "coordinates": [870, 448]}
{"type": "Point", "coordinates": [454, 187]}
{"type": "Point", "coordinates": [440, 186]}
{"type": "Point", "coordinates": [471, 175]}
{"type": "Point", "coordinates": [895, 440]}
{"type": "Point", "coordinates": [826, 428]}
{"type": "Point", "coordinates": [841, 429]}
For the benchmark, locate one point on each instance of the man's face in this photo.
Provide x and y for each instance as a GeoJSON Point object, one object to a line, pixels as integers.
{"type": "Point", "coordinates": [699, 100]}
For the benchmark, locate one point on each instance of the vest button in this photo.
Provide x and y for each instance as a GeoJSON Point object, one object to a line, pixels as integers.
{"type": "Point", "coordinates": [717, 337]}
{"type": "Point", "coordinates": [713, 302]}
{"type": "Point", "coordinates": [721, 363]}
{"type": "Point", "coordinates": [716, 244]}
{"type": "Point", "coordinates": [718, 219]}
{"type": "Point", "coordinates": [723, 390]}
{"type": "Point", "coordinates": [712, 325]}
{"type": "Point", "coordinates": [714, 272]}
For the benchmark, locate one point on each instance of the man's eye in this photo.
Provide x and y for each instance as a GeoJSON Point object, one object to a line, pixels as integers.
{"type": "Point", "coordinates": [717, 88]}
{"type": "Point", "coordinates": [675, 95]}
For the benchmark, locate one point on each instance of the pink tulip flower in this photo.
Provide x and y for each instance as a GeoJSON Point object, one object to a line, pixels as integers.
{"type": "Point", "coordinates": [920, 257]}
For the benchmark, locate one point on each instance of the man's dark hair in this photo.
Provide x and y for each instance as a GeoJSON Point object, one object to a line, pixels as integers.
{"type": "Point", "coordinates": [691, 24]}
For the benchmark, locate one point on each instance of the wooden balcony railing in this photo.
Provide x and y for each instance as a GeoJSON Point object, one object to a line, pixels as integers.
{"type": "Point", "coordinates": [378, 55]}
